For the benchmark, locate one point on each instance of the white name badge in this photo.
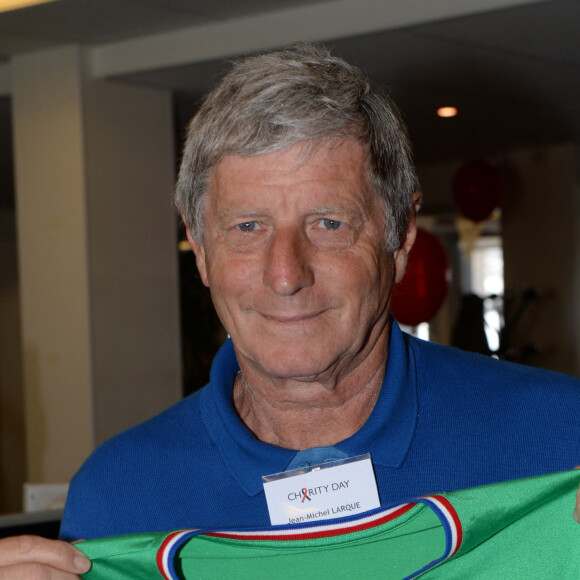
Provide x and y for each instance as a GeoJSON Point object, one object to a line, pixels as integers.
{"type": "Point", "coordinates": [320, 492]}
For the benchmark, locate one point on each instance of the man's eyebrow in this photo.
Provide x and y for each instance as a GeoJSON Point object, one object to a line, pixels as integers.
{"type": "Point", "coordinates": [339, 210]}
{"type": "Point", "coordinates": [345, 210]}
{"type": "Point", "coordinates": [230, 213]}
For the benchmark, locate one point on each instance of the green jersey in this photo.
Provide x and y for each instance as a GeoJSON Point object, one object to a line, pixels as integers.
{"type": "Point", "coordinates": [516, 529]}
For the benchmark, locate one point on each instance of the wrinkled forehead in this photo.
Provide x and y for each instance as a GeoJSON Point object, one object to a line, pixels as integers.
{"type": "Point", "coordinates": [296, 156]}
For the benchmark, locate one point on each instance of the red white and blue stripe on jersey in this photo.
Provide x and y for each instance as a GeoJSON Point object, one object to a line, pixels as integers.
{"type": "Point", "coordinates": [166, 556]}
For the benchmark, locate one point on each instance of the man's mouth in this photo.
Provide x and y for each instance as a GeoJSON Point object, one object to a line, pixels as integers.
{"type": "Point", "coordinates": [292, 318]}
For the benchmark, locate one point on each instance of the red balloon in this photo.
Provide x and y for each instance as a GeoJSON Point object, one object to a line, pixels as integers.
{"type": "Point", "coordinates": [421, 292]}
{"type": "Point", "coordinates": [477, 189]}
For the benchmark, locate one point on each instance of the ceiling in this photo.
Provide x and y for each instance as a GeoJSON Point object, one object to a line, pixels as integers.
{"type": "Point", "coordinates": [514, 73]}
{"type": "Point", "coordinates": [101, 21]}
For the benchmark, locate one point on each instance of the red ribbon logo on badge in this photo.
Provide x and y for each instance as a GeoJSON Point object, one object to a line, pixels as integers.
{"type": "Point", "coordinates": [305, 495]}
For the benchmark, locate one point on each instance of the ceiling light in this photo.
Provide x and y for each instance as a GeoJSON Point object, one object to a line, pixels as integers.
{"type": "Point", "coordinates": [447, 111]}
{"type": "Point", "coordinates": [6, 5]}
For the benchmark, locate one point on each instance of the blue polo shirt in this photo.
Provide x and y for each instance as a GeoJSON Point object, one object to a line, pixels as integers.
{"type": "Point", "coordinates": [444, 420]}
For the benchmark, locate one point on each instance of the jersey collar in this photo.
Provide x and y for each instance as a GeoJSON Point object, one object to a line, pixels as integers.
{"type": "Point", "coordinates": [386, 435]}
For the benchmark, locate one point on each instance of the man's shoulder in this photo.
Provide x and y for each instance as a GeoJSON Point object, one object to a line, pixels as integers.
{"type": "Point", "coordinates": [180, 422]}
{"type": "Point", "coordinates": [482, 420]}
{"type": "Point", "coordinates": [177, 429]}
{"type": "Point", "coordinates": [472, 369]}
{"type": "Point", "coordinates": [132, 467]}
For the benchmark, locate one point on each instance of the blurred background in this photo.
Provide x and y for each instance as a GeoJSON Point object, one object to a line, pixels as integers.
{"type": "Point", "coordinates": [103, 320]}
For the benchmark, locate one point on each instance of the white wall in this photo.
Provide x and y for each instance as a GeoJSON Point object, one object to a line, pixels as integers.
{"type": "Point", "coordinates": [540, 250]}
{"type": "Point", "coordinates": [132, 233]}
{"type": "Point", "coordinates": [541, 239]}
{"type": "Point", "coordinates": [98, 262]}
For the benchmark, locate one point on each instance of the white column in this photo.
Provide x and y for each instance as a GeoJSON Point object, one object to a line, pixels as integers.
{"type": "Point", "coordinates": [53, 259]}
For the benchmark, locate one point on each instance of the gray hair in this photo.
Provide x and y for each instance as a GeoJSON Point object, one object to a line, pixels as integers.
{"type": "Point", "coordinates": [299, 94]}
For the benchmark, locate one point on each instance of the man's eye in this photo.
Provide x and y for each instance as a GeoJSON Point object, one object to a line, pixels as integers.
{"type": "Point", "coordinates": [331, 224]}
{"type": "Point", "coordinates": [247, 226]}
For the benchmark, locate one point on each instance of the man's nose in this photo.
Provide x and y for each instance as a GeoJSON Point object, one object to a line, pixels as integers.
{"type": "Point", "coordinates": [287, 267]}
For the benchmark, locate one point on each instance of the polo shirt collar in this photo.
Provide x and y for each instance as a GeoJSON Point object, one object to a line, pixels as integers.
{"type": "Point", "coordinates": [386, 435]}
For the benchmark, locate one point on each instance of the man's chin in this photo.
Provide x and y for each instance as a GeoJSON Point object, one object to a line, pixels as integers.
{"type": "Point", "coordinates": [294, 363]}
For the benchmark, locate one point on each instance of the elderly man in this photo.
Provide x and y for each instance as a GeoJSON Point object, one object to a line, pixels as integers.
{"type": "Point", "coordinates": [299, 196]}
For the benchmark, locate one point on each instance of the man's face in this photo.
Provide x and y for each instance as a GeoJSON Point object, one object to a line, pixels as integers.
{"type": "Point", "coordinates": [293, 256]}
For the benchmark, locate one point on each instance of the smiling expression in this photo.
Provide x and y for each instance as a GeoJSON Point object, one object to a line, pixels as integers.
{"type": "Point", "coordinates": [293, 253]}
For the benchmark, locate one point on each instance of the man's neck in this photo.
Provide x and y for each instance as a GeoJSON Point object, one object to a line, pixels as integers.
{"type": "Point", "coordinates": [303, 414]}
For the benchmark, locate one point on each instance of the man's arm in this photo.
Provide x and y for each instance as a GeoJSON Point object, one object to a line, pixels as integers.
{"type": "Point", "coordinates": [34, 558]}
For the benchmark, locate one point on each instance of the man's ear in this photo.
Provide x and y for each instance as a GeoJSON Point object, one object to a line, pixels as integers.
{"type": "Point", "coordinates": [199, 251]}
{"type": "Point", "coordinates": [401, 254]}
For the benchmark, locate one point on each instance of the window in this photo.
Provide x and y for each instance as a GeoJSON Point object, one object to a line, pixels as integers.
{"type": "Point", "coordinates": [484, 277]}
